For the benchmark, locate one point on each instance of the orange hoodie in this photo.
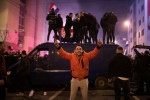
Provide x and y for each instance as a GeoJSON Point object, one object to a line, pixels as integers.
{"type": "Point", "coordinates": [79, 66]}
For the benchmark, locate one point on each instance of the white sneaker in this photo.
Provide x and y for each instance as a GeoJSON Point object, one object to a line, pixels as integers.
{"type": "Point", "coordinates": [31, 93]}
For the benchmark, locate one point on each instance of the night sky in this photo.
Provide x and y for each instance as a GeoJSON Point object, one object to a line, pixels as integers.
{"type": "Point", "coordinates": [98, 8]}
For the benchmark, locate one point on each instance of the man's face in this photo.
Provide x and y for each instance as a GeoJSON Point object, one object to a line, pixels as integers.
{"type": "Point", "coordinates": [79, 50]}
{"type": "Point", "coordinates": [71, 15]}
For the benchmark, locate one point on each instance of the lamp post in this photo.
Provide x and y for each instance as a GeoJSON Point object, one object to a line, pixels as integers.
{"type": "Point", "coordinates": [127, 24]}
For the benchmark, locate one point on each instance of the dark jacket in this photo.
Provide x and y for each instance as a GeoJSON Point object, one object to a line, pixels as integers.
{"type": "Point", "coordinates": [142, 64]}
{"type": "Point", "coordinates": [83, 20]}
{"type": "Point", "coordinates": [120, 66]}
{"type": "Point", "coordinates": [51, 18]}
{"type": "Point", "coordinates": [112, 19]}
{"type": "Point", "coordinates": [24, 66]}
{"type": "Point", "coordinates": [59, 22]}
{"type": "Point", "coordinates": [69, 22]}
{"type": "Point", "coordinates": [104, 21]}
{"type": "Point", "coordinates": [2, 66]}
{"type": "Point", "coordinates": [76, 25]}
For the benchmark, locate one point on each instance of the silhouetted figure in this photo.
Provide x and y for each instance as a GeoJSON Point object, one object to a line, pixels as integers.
{"type": "Point", "coordinates": [51, 17]}
{"type": "Point", "coordinates": [2, 72]}
{"type": "Point", "coordinates": [119, 71]}
{"type": "Point", "coordinates": [93, 27]}
{"type": "Point", "coordinates": [59, 22]}
{"type": "Point", "coordinates": [142, 68]}
{"type": "Point", "coordinates": [104, 25]}
{"type": "Point", "coordinates": [76, 28]}
{"type": "Point", "coordinates": [84, 27]}
{"type": "Point", "coordinates": [23, 74]}
{"type": "Point", "coordinates": [68, 26]}
{"type": "Point", "coordinates": [112, 19]}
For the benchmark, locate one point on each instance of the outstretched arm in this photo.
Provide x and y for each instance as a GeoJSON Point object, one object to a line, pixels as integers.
{"type": "Point", "coordinates": [61, 51]}
{"type": "Point", "coordinates": [95, 52]}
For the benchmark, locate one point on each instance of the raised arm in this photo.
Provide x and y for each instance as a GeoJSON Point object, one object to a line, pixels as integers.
{"type": "Point", "coordinates": [95, 52]}
{"type": "Point", "coordinates": [61, 51]}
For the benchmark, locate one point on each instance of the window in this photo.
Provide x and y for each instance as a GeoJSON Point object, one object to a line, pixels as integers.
{"type": "Point", "coordinates": [41, 60]}
{"type": "Point", "coordinates": [142, 7]}
{"type": "Point", "coordinates": [21, 17]}
{"type": "Point", "coordinates": [139, 22]}
{"type": "Point", "coordinates": [139, 34]}
{"type": "Point", "coordinates": [21, 24]}
{"type": "Point", "coordinates": [142, 32]}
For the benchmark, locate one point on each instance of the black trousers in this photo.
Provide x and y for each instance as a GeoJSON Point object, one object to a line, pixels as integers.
{"type": "Point", "coordinates": [2, 93]}
{"type": "Point", "coordinates": [118, 86]}
{"type": "Point", "coordinates": [68, 34]}
{"type": "Point", "coordinates": [49, 31]}
{"type": "Point", "coordinates": [105, 32]}
{"type": "Point", "coordinates": [140, 84]}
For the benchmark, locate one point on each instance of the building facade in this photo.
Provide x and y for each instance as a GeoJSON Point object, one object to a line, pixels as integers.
{"type": "Point", "coordinates": [23, 24]}
{"type": "Point", "coordinates": [138, 31]}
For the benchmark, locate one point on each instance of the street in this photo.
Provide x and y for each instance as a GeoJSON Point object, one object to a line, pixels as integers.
{"type": "Point", "coordinates": [63, 94]}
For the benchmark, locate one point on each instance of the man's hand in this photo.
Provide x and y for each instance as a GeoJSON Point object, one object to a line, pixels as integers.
{"type": "Point", "coordinates": [56, 43]}
{"type": "Point", "coordinates": [1, 82]}
{"type": "Point", "coordinates": [99, 43]}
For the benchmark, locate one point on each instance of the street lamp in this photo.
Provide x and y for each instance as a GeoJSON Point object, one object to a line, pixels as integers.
{"type": "Point", "coordinates": [127, 23]}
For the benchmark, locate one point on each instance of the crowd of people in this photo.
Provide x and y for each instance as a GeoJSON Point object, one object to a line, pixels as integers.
{"type": "Point", "coordinates": [108, 23]}
{"type": "Point", "coordinates": [85, 27]}
{"type": "Point", "coordinates": [120, 70]}
{"type": "Point", "coordinates": [20, 77]}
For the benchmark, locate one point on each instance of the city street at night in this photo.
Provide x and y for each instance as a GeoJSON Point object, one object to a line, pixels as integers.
{"type": "Point", "coordinates": [74, 49]}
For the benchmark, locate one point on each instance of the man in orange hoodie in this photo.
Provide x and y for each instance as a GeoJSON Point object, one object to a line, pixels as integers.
{"type": "Point", "coordinates": [79, 61]}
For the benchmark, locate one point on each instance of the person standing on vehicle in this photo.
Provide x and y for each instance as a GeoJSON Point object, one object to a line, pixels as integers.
{"type": "Point", "coordinates": [2, 72]}
{"type": "Point", "coordinates": [51, 17]}
{"type": "Point", "coordinates": [119, 70]}
{"type": "Point", "coordinates": [59, 23]}
{"type": "Point", "coordinates": [79, 67]}
{"type": "Point", "coordinates": [68, 26]}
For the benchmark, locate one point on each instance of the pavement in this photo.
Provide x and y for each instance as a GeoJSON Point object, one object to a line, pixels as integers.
{"type": "Point", "coordinates": [64, 93]}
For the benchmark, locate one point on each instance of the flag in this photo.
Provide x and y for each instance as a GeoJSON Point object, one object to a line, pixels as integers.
{"type": "Point", "coordinates": [125, 51]}
{"type": "Point", "coordinates": [126, 44]}
{"type": "Point", "coordinates": [55, 8]}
